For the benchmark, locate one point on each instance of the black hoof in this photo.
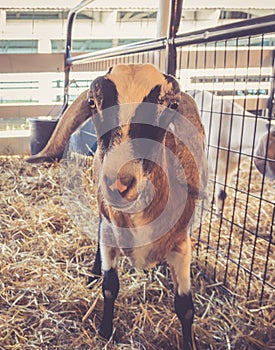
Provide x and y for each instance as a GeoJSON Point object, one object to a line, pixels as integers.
{"type": "Point", "coordinates": [105, 333]}
{"type": "Point", "coordinates": [187, 346]}
{"type": "Point", "coordinates": [190, 345]}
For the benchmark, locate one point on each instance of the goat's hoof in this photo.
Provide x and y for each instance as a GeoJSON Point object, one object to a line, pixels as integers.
{"type": "Point", "coordinates": [105, 333]}
{"type": "Point", "coordinates": [190, 345]}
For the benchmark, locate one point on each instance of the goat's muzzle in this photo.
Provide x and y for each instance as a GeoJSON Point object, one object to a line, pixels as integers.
{"type": "Point", "coordinates": [122, 188]}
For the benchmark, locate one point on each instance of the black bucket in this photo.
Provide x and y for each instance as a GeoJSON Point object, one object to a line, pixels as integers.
{"type": "Point", "coordinates": [41, 131]}
{"type": "Point", "coordinates": [83, 140]}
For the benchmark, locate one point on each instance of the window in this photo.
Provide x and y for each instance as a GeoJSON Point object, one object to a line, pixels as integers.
{"type": "Point", "coordinates": [58, 45]}
{"type": "Point", "coordinates": [83, 45]}
{"type": "Point", "coordinates": [130, 41]}
{"type": "Point", "coordinates": [235, 15]}
{"type": "Point", "coordinates": [48, 15]}
{"type": "Point", "coordinates": [37, 15]}
{"type": "Point", "coordinates": [18, 46]}
{"type": "Point", "coordinates": [73, 83]}
{"type": "Point", "coordinates": [17, 85]}
{"type": "Point", "coordinates": [136, 16]}
{"type": "Point", "coordinates": [19, 91]}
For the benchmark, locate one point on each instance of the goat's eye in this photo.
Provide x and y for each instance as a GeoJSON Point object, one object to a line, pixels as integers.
{"type": "Point", "coordinates": [174, 105]}
{"type": "Point", "coordinates": [92, 103]}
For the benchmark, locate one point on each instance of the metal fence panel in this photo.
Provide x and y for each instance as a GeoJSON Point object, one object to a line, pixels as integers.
{"type": "Point", "coordinates": [230, 72]}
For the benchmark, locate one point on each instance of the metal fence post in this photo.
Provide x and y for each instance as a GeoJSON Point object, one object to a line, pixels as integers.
{"type": "Point", "coordinates": [271, 101]}
{"type": "Point", "coordinates": [174, 22]}
{"type": "Point", "coordinates": [67, 64]}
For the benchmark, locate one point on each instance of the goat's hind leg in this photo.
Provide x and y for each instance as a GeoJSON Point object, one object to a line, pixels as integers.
{"type": "Point", "coordinates": [179, 262]}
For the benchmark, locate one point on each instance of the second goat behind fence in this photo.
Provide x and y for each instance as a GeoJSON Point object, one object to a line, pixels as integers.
{"type": "Point", "coordinates": [232, 133]}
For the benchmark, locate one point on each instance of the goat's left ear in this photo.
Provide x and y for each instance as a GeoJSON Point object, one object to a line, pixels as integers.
{"type": "Point", "coordinates": [191, 141]}
{"type": "Point", "coordinates": [188, 110]}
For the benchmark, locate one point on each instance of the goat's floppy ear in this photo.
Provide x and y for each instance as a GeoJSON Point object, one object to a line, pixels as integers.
{"type": "Point", "coordinates": [191, 146]}
{"type": "Point", "coordinates": [188, 109]}
{"type": "Point", "coordinates": [74, 116]}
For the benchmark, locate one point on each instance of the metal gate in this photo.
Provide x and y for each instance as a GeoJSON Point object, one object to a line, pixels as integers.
{"type": "Point", "coordinates": [230, 72]}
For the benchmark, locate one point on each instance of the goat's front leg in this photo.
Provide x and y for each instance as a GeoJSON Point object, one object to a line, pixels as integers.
{"type": "Point", "coordinates": [110, 289]}
{"type": "Point", "coordinates": [179, 262]}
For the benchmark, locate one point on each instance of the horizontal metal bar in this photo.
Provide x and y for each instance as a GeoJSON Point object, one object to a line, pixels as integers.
{"type": "Point", "coordinates": [148, 45]}
{"type": "Point", "coordinates": [255, 26]}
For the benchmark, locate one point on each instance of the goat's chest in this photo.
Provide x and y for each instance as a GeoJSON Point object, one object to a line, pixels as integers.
{"type": "Point", "coordinates": [145, 248]}
{"type": "Point", "coordinates": [147, 256]}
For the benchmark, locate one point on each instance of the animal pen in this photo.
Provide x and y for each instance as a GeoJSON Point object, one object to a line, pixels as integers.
{"type": "Point", "coordinates": [46, 260]}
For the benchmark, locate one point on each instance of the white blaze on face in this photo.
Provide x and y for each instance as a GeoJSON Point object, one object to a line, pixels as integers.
{"type": "Point", "coordinates": [116, 158]}
{"type": "Point", "coordinates": [133, 83]}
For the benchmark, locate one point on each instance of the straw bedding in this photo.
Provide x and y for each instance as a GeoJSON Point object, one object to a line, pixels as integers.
{"type": "Point", "coordinates": [46, 260]}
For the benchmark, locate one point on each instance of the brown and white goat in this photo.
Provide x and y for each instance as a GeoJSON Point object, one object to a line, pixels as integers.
{"type": "Point", "coordinates": [150, 169]}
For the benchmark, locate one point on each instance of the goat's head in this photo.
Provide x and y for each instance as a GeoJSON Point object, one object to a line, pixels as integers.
{"type": "Point", "coordinates": [265, 154]}
{"type": "Point", "coordinates": [132, 107]}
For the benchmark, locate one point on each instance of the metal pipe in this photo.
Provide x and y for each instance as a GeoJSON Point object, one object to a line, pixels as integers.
{"type": "Point", "coordinates": [174, 22]}
{"type": "Point", "coordinates": [67, 65]}
{"type": "Point", "coordinates": [148, 45]}
{"type": "Point", "coordinates": [250, 27]}
{"type": "Point", "coordinates": [271, 100]}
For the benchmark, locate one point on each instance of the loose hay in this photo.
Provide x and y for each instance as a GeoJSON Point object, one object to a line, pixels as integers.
{"type": "Point", "coordinates": [45, 262]}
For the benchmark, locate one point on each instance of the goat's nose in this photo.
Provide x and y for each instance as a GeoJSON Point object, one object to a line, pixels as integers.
{"type": "Point", "coordinates": [118, 185]}
{"type": "Point", "coordinates": [122, 183]}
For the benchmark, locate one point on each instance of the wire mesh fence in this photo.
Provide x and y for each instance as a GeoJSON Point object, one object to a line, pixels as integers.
{"type": "Point", "coordinates": [233, 84]}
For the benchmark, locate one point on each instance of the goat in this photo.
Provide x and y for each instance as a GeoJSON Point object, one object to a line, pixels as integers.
{"type": "Point", "coordinates": [230, 131]}
{"type": "Point", "coordinates": [265, 154]}
{"type": "Point", "coordinates": [150, 168]}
